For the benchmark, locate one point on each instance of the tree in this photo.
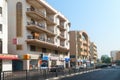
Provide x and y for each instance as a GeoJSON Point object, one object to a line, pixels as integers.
{"type": "Point", "coordinates": [105, 59]}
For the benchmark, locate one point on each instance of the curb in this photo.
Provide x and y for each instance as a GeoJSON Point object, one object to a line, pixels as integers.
{"type": "Point", "coordinates": [70, 75]}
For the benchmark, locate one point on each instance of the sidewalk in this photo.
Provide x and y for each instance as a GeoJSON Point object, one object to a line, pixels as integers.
{"type": "Point", "coordinates": [69, 75]}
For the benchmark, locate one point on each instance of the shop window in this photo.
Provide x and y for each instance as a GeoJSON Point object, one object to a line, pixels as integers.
{"type": "Point", "coordinates": [19, 19]}
{"type": "Point", "coordinates": [32, 48]}
{"type": "Point", "coordinates": [19, 47]}
{"type": "Point", "coordinates": [0, 27]}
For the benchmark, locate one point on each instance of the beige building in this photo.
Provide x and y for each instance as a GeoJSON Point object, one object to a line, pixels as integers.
{"type": "Point", "coordinates": [115, 55]}
{"type": "Point", "coordinates": [38, 34]}
{"type": "Point", "coordinates": [93, 52]}
{"type": "Point", "coordinates": [79, 48]}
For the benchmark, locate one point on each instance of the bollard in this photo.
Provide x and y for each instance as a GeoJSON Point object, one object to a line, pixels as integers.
{"type": "Point", "coordinates": [56, 73]}
{"type": "Point", "coordinates": [0, 76]}
{"type": "Point", "coordinates": [45, 73]}
{"type": "Point", "coordinates": [26, 74]}
{"type": "Point", "coordinates": [69, 71]}
{"type": "Point", "coordinates": [3, 76]}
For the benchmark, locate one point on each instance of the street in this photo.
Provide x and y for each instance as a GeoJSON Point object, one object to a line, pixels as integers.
{"type": "Point", "coordinates": [103, 74]}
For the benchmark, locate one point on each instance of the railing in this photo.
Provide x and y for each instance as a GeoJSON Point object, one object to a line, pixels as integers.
{"type": "Point", "coordinates": [39, 25]}
{"type": "Point", "coordinates": [50, 40]}
{"type": "Point", "coordinates": [50, 19]}
{"type": "Point", "coordinates": [30, 37]}
{"type": "Point", "coordinates": [62, 35]}
{"type": "Point", "coordinates": [36, 24]}
{"type": "Point", "coordinates": [40, 74]}
{"type": "Point", "coordinates": [51, 30]}
{"type": "Point", "coordinates": [62, 25]}
{"type": "Point", "coordinates": [37, 11]}
{"type": "Point", "coordinates": [62, 44]}
{"type": "Point", "coordinates": [41, 38]}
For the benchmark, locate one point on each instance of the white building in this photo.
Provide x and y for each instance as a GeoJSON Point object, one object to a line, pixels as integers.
{"type": "Point", "coordinates": [37, 34]}
{"type": "Point", "coordinates": [5, 58]}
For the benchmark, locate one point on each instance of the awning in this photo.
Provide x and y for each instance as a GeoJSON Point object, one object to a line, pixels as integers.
{"type": "Point", "coordinates": [8, 57]}
{"type": "Point", "coordinates": [45, 58]}
{"type": "Point", "coordinates": [67, 59]}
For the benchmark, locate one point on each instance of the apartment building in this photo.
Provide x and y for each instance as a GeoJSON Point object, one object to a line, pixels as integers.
{"type": "Point", "coordinates": [38, 34]}
{"type": "Point", "coordinates": [79, 48]}
{"type": "Point", "coordinates": [93, 52]}
{"type": "Point", "coordinates": [115, 55]}
{"type": "Point", "coordinates": [5, 58]}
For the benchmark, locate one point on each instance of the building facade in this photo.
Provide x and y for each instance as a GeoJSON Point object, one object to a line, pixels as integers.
{"type": "Point", "coordinates": [5, 58]}
{"type": "Point", "coordinates": [115, 55]}
{"type": "Point", "coordinates": [38, 34]}
{"type": "Point", "coordinates": [93, 53]}
{"type": "Point", "coordinates": [79, 48]}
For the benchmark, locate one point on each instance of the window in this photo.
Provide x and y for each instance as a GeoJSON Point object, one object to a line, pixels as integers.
{"type": "Point", "coordinates": [19, 19]}
{"type": "Point", "coordinates": [1, 27]}
{"type": "Point", "coordinates": [32, 48]}
{"type": "Point", "coordinates": [18, 47]}
{"type": "Point", "coordinates": [0, 10]}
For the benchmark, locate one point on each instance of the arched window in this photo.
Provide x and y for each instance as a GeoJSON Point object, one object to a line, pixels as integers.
{"type": "Point", "coordinates": [19, 19]}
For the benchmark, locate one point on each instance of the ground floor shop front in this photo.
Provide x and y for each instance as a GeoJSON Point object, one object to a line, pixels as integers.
{"type": "Point", "coordinates": [34, 61]}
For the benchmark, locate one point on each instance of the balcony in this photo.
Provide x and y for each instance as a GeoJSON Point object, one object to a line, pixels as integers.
{"type": "Point", "coordinates": [46, 43]}
{"type": "Point", "coordinates": [39, 16]}
{"type": "Point", "coordinates": [62, 49]}
{"type": "Point", "coordinates": [34, 3]}
{"type": "Point", "coordinates": [41, 42]}
{"type": "Point", "coordinates": [95, 57]}
{"type": "Point", "coordinates": [50, 21]}
{"type": "Point", "coordinates": [61, 27]}
{"type": "Point", "coordinates": [82, 53]}
{"type": "Point", "coordinates": [62, 44]}
{"type": "Point", "coordinates": [61, 36]}
{"type": "Point", "coordinates": [36, 27]}
{"type": "Point", "coordinates": [35, 14]}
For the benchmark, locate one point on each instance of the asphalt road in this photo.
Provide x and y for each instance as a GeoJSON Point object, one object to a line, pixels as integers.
{"type": "Point", "coordinates": [104, 74]}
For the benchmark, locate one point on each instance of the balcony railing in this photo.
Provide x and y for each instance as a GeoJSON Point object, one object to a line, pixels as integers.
{"type": "Point", "coordinates": [50, 19]}
{"type": "Point", "coordinates": [62, 44]}
{"type": "Point", "coordinates": [37, 24]}
{"type": "Point", "coordinates": [43, 15]}
{"type": "Point", "coordinates": [41, 39]}
{"type": "Point", "coordinates": [37, 11]}
{"type": "Point", "coordinates": [30, 37]}
{"type": "Point", "coordinates": [49, 31]}
{"type": "Point", "coordinates": [49, 40]}
{"type": "Point", "coordinates": [62, 35]}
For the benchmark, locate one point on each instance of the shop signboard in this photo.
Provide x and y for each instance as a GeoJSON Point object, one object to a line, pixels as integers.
{"type": "Point", "coordinates": [7, 56]}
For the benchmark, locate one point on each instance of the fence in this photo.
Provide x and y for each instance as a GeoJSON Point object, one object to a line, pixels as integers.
{"type": "Point", "coordinates": [38, 74]}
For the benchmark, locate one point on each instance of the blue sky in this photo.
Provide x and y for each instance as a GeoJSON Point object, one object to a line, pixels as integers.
{"type": "Point", "coordinates": [99, 18]}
